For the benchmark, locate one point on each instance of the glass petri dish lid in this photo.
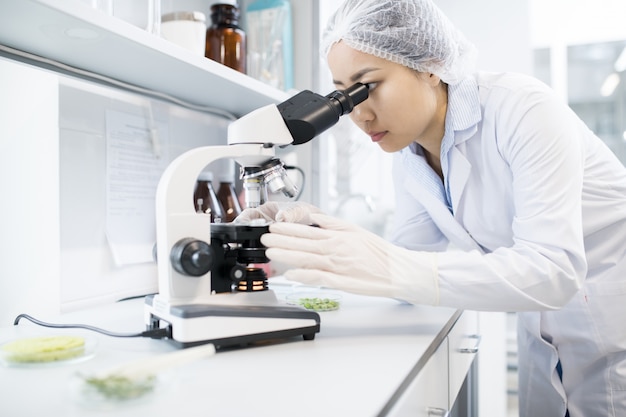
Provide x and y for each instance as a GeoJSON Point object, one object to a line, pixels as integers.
{"type": "Point", "coordinates": [49, 350]}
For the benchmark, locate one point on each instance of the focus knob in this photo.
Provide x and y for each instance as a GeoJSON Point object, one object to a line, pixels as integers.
{"type": "Point", "coordinates": [192, 257]}
{"type": "Point", "coordinates": [237, 272]}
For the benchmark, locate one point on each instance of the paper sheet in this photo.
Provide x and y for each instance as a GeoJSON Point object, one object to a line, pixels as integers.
{"type": "Point", "coordinates": [135, 162]}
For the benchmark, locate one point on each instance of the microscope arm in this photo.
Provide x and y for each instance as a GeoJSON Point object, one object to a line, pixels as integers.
{"type": "Point", "coordinates": [176, 218]}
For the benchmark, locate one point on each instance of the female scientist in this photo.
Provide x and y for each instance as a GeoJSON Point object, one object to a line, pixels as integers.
{"type": "Point", "coordinates": [505, 201]}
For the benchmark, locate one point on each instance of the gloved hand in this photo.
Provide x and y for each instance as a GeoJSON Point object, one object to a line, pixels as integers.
{"type": "Point", "coordinates": [347, 257]}
{"type": "Point", "coordinates": [291, 212]}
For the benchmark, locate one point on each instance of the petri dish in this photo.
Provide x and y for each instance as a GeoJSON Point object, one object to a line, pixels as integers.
{"type": "Point", "coordinates": [46, 351]}
{"type": "Point", "coordinates": [98, 392]}
{"type": "Point", "coordinates": [314, 300]}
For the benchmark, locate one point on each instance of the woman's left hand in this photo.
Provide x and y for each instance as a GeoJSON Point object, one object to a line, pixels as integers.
{"type": "Point", "coordinates": [341, 255]}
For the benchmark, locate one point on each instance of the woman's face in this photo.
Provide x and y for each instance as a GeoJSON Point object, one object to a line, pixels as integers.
{"type": "Point", "coordinates": [404, 106]}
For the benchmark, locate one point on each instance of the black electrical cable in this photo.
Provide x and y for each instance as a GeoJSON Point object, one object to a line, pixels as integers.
{"type": "Point", "coordinates": [159, 333]}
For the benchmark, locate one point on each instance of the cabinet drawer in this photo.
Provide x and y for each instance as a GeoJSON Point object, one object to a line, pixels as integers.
{"type": "Point", "coordinates": [464, 341]}
{"type": "Point", "coordinates": [427, 394]}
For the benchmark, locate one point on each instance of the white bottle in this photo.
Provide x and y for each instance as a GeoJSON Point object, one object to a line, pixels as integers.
{"type": "Point", "coordinates": [186, 29]}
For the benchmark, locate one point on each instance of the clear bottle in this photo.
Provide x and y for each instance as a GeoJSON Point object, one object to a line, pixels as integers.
{"type": "Point", "coordinates": [225, 40]}
{"type": "Point", "coordinates": [269, 50]}
{"type": "Point", "coordinates": [205, 199]}
{"type": "Point", "coordinates": [227, 196]}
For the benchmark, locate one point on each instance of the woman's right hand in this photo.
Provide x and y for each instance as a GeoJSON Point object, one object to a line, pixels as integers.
{"type": "Point", "coordinates": [272, 211]}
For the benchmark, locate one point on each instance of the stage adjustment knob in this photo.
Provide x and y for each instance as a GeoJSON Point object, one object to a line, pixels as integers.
{"type": "Point", "coordinates": [192, 257]}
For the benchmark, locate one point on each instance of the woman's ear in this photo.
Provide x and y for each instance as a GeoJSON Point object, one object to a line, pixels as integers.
{"type": "Point", "coordinates": [433, 79]}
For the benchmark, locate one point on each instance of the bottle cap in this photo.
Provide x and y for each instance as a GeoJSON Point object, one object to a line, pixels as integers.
{"type": "Point", "coordinates": [225, 177]}
{"type": "Point", "coordinates": [229, 2]}
{"type": "Point", "coordinates": [193, 16]}
{"type": "Point", "coordinates": [225, 10]}
{"type": "Point", "coordinates": [205, 176]}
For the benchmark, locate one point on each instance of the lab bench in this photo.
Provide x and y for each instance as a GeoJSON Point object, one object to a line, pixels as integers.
{"type": "Point", "coordinates": [372, 357]}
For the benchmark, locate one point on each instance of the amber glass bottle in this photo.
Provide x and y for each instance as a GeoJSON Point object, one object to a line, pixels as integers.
{"type": "Point", "coordinates": [205, 198]}
{"type": "Point", "coordinates": [228, 198]}
{"type": "Point", "coordinates": [225, 40]}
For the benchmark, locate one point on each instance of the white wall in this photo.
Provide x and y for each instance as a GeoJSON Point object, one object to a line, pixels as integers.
{"type": "Point", "coordinates": [556, 24]}
{"type": "Point", "coordinates": [56, 248]}
{"type": "Point", "coordinates": [499, 29]}
{"type": "Point", "coordinates": [104, 259]}
{"type": "Point", "coordinates": [29, 186]}
{"type": "Point", "coordinates": [576, 22]}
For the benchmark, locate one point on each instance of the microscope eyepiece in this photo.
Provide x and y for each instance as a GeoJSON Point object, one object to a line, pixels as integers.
{"type": "Point", "coordinates": [346, 100]}
{"type": "Point", "coordinates": [308, 114]}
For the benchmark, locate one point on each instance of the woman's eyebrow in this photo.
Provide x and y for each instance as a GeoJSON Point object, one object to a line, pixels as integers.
{"type": "Point", "coordinates": [358, 75]}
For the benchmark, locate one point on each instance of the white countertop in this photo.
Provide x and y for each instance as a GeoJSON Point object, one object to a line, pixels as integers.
{"type": "Point", "coordinates": [363, 353]}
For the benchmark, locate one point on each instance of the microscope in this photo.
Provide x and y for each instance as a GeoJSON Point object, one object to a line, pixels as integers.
{"type": "Point", "coordinates": [211, 289]}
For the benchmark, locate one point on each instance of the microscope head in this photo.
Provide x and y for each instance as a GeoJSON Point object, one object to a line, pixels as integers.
{"type": "Point", "coordinates": [294, 121]}
{"type": "Point", "coordinates": [298, 119]}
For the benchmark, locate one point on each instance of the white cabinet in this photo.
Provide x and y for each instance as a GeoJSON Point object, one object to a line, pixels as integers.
{"type": "Point", "coordinates": [439, 375]}
{"type": "Point", "coordinates": [463, 345]}
{"type": "Point", "coordinates": [427, 394]}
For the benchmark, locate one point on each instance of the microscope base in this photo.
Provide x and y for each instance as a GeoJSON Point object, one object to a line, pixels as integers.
{"type": "Point", "coordinates": [231, 325]}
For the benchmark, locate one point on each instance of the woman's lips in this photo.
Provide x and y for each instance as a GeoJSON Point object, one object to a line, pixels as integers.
{"type": "Point", "coordinates": [377, 136]}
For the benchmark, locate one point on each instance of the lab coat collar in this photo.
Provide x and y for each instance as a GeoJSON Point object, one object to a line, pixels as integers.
{"type": "Point", "coordinates": [464, 108]}
{"type": "Point", "coordinates": [415, 163]}
{"type": "Point", "coordinates": [462, 119]}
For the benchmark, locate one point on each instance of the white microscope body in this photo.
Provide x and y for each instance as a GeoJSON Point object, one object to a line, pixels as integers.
{"type": "Point", "coordinates": [186, 302]}
{"type": "Point", "coordinates": [175, 212]}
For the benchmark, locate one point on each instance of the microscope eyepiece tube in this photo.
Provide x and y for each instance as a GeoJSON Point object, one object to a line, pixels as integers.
{"type": "Point", "coordinates": [308, 114]}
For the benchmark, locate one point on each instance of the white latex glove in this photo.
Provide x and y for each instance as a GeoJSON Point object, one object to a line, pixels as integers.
{"type": "Point", "coordinates": [288, 211]}
{"type": "Point", "coordinates": [344, 256]}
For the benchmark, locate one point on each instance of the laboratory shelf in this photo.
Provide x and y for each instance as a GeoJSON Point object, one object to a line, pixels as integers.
{"type": "Point", "coordinates": [70, 32]}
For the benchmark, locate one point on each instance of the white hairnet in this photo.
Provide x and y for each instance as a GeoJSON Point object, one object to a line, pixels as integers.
{"type": "Point", "coordinates": [413, 33]}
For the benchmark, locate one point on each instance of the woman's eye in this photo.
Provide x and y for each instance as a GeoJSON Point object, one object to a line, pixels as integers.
{"type": "Point", "coordinates": [371, 86]}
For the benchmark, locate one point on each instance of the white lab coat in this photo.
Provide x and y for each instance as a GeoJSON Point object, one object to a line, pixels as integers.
{"type": "Point", "coordinates": [538, 226]}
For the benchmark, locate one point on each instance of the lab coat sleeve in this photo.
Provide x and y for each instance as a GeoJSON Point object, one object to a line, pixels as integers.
{"type": "Point", "coordinates": [542, 142]}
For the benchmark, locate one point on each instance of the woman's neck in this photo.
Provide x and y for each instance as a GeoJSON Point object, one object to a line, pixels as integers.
{"type": "Point", "coordinates": [431, 143]}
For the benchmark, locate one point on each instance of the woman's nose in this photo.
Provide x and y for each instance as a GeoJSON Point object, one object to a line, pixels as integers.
{"type": "Point", "coordinates": [362, 114]}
